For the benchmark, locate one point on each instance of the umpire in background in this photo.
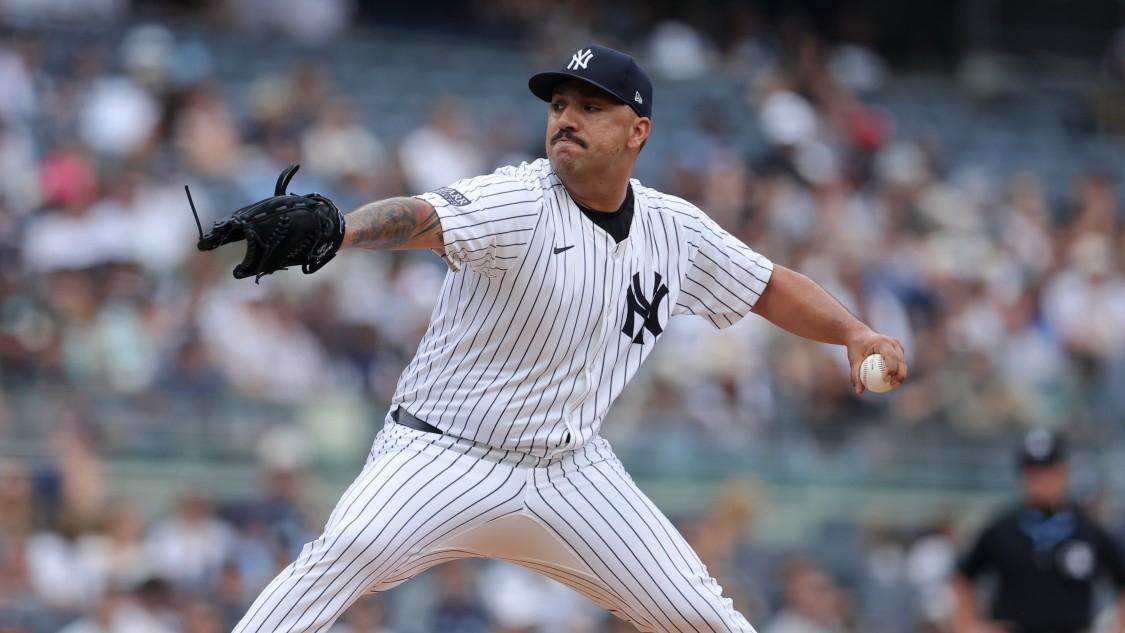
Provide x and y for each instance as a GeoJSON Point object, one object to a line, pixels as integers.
{"type": "Point", "coordinates": [1045, 555]}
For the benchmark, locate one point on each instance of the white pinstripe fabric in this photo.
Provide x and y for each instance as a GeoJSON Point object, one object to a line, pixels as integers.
{"type": "Point", "coordinates": [419, 492]}
{"type": "Point", "coordinates": [542, 321]}
{"type": "Point", "coordinates": [525, 349]}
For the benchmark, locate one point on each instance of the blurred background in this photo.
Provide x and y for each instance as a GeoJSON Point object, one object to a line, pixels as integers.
{"type": "Point", "coordinates": [169, 438]}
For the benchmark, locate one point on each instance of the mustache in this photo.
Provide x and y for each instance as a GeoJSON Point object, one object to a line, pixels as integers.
{"type": "Point", "coordinates": [563, 133]}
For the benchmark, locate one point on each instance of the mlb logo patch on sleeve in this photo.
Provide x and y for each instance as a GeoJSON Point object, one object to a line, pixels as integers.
{"type": "Point", "coordinates": [453, 197]}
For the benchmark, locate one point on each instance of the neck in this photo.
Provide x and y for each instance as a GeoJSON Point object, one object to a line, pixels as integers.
{"type": "Point", "coordinates": [1048, 506]}
{"type": "Point", "coordinates": [600, 192]}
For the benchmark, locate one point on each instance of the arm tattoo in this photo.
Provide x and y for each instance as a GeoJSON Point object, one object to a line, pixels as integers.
{"type": "Point", "coordinates": [432, 224]}
{"type": "Point", "coordinates": [391, 223]}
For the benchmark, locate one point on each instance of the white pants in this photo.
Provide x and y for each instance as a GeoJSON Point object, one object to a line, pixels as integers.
{"type": "Point", "coordinates": [424, 499]}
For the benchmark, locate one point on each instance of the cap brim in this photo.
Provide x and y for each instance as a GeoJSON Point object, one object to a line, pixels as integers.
{"type": "Point", "coordinates": [543, 85]}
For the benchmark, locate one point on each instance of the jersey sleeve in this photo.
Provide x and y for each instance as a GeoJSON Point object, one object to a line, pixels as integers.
{"type": "Point", "coordinates": [1112, 557]}
{"type": "Point", "coordinates": [486, 221]}
{"type": "Point", "coordinates": [980, 557]}
{"type": "Point", "coordinates": [724, 278]}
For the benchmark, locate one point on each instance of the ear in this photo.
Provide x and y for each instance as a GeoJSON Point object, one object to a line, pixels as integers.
{"type": "Point", "coordinates": [638, 134]}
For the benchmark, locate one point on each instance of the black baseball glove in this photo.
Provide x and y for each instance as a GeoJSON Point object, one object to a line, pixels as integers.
{"type": "Point", "coordinates": [281, 231]}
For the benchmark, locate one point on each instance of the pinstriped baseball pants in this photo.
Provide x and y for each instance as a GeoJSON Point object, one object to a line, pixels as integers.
{"type": "Point", "coordinates": [423, 499]}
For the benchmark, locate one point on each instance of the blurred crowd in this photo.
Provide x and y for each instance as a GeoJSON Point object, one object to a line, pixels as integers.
{"type": "Point", "coordinates": [76, 559]}
{"type": "Point", "coordinates": [1007, 298]}
{"type": "Point", "coordinates": [115, 335]}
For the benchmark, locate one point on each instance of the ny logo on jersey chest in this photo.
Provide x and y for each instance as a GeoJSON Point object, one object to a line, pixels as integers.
{"type": "Point", "coordinates": [647, 308]}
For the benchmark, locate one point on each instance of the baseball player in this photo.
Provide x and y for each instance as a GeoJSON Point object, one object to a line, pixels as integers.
{"type": "Point", "coordinates": [563, 273]}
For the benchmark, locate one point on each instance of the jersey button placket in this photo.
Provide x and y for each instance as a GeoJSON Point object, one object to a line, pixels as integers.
{"type": "Point", "coordinates": [619, 249]}
{"type": "Point", "coordinates": [586, 382]}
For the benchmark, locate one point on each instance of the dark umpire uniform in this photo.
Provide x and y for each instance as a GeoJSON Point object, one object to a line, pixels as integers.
{"type": "Point", "coordinates": [1045, 554]}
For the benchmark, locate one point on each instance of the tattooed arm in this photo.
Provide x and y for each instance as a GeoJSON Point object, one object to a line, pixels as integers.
{"type": "Point", "coordinates": [394, 223]}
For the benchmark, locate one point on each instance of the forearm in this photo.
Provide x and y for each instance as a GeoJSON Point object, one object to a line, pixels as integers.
{"type": "Point", "coordinates": [393, 223]}
{"type": "Point", "coordinates": [964, 615]}
{"type": "Point", "coordinates": [799, 305]}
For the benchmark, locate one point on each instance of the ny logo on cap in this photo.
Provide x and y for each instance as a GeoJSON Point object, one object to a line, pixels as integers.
{"type": "Point", "coordinates": [580, 59]}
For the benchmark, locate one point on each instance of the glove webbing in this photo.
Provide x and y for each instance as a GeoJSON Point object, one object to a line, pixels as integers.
{"type": "Point", "coordinates": [275, 238]}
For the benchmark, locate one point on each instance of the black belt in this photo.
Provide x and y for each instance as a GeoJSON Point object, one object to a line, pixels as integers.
{"type": "Point", "coordinates": [404, 417]}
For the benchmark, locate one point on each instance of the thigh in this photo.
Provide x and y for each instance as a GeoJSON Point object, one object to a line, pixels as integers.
{"type": "Point", "coordinates": [412, 494]}
{"type": "Point", "coordinates": [524, 540]}
{"type": "Point", "coordinates": [644, 563]}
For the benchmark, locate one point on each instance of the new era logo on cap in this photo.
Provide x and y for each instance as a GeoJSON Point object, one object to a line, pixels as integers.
{"type": "Point", "coordinates": [613, 71]}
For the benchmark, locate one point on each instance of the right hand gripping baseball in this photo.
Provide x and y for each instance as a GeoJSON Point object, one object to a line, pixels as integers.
{"type": "Point", "coordinates": [281, 231]}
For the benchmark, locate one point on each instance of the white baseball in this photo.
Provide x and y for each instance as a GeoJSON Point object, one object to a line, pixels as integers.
{"type": "Point", "coordinates": [873, 373]}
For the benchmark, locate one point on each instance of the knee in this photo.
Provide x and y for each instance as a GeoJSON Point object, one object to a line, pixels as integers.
{"type": "Point", "coordinates": [712, 614]}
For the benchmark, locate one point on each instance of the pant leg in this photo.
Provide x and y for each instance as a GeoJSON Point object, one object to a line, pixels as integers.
{"type": "Point", "coordinates": [414, 493]}
{"type": "Point", "coordinates": [646, 566]}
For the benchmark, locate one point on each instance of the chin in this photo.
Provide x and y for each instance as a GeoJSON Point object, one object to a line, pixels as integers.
{"type": "Point", "coordinates": [562, 161]}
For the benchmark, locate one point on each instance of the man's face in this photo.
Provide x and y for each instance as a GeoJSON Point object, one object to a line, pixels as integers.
{"type": "Point", "coordinates": [812, 593]}
{"type": "Point", "coordinates": [589, 131]}
{"type": "Point", "coordinates": [1045, 486]}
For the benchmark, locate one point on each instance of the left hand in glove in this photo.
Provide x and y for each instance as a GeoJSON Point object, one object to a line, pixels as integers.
{"type": "Point", "coordinates": [280, 231]}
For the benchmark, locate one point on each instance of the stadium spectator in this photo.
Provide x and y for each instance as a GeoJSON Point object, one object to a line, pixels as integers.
{"type": "Point", "coordinates": [365, 616]}
{"type": "Point", "coordinates": [19, 100]}
{"type": "Point", "coordinates": [201, 616]}
{"type": "Point", "coordinates": [442, 151]}
{"type": "Point", "coordinates": [339, 148]}
{"type": "Point", "coordinates": [930, 564]}
{"type": "Point", "coordinates": [205, 133]}
{"type": "Point", "coordinates": [190, 547]}
{"type": "Point", "coordinates": [458, 606]}
{"type": "Point", "coordinates": [813, 602]}
{"type": "Point", "coordinates": [118, 117]}
{"type": "Point", "coordinates": [116, 555]}
{"type": "Point", "coordinates": [242, 330]}
{"type": "Point", "coordinates": [518, 599]}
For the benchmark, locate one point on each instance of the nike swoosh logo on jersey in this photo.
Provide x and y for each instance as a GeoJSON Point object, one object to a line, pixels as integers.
{"type": "Point", "coordinates": [559, 249]}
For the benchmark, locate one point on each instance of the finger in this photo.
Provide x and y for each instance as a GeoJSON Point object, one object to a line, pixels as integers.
{"type": "Point", "coordinates": [903, 369]}
{"type": "Point", "coordinates": [902, 372]}
{"type": "Point", "coordinates": [891, 357]}
{"type": "Point", "coordinates": [902, 364]}
{"type": "Point", "coordinates": [856, 382]}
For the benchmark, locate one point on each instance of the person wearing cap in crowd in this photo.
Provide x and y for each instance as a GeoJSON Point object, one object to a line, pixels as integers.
{"type": "Point", "coordinates": [1046, 555]}
{"type": "Point", "coordinates": [564, 272]}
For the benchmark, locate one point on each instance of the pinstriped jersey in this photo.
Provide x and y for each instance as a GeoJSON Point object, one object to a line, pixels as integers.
{"type": "Point", "coordinates": [543, 317]}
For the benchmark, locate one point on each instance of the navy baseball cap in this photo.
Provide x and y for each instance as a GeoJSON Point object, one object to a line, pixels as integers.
{"type": "Point", "coordinates": [1041, 447]}
{"type": "Point", "coordinates": [613, 71]}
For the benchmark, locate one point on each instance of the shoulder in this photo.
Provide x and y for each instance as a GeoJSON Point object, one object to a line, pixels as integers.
{"type": "Point", "coordinates": [535, 176]}
{"type": "Point", "coordinates": [674, 208]}
{"type": "Point", "coordinates": [506, 187]}
{"type": "Point", "coordinates": [666, 203]}
{"type": "Point", "coordinates": [1004, 521]}
{"type": "Point", "coordinates": [1087, 521]}
{"type": "Point", "coordinates": [671, 208]}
